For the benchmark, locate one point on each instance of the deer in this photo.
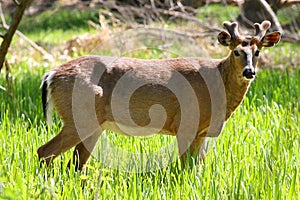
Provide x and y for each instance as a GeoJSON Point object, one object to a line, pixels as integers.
{"type": "Point", "coordinates": [90, 95]}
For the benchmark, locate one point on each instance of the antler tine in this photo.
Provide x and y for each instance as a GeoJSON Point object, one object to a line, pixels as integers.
{"type": "Point", "coordinates": [233, 30]}
{"type": "Point", "coordinates": [261, 29]}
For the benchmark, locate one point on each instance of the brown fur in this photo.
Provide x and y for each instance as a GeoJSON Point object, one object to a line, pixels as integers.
{"type": "Point", "coordinates": [157, 74]}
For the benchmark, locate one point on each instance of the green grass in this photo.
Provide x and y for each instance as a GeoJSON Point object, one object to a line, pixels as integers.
{"type": "Point", "coordinates": [256, 157]}
{"type": "Point", "coordinates": [66, 23]}
{"type": "Point", "coordinates": [59, 19]}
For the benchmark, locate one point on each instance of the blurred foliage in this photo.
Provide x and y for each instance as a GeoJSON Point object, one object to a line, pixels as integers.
{"type": "Point", "coordinates": [216, 13]}
{"type": "Point", "coordinates": [63, 19]}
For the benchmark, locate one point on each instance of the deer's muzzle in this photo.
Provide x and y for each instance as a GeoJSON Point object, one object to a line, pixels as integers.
{"type": "Point", "coordinates": [249, 72]}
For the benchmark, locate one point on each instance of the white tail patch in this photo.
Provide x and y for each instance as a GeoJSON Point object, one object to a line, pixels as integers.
{"type": "Point", "coordinates": [48, 79]}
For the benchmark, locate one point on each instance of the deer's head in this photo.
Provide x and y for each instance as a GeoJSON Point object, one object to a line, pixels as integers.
{"type": "Point", "coordinates": [246, 49]}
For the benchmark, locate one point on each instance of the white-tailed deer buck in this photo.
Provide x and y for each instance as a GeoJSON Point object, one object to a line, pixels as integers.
{"type": "Point", "coordinates": [95, 93]}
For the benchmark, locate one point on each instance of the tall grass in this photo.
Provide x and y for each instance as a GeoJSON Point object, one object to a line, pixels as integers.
{"type": "Point", "coordinates": [257, 155]}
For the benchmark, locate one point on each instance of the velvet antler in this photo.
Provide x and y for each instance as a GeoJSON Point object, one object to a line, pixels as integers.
{"type": "Point", "coordinates": [232, 29]}
{"type": "Point", "coordinates": [261, 29]}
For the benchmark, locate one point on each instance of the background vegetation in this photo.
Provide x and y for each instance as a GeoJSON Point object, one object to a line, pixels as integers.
{"type": "Point", "coordinates": [257, 155]}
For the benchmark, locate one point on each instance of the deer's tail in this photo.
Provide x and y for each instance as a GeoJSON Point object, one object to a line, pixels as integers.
{"type": "Point", "coordinates": [46, 96]}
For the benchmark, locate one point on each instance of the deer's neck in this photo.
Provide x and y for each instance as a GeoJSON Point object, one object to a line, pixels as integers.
{"type": "Point", "coordinates": [235, 85]}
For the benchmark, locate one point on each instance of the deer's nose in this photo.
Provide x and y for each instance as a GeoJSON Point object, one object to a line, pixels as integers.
{"type": "Point", "coordinates": [249, 73]}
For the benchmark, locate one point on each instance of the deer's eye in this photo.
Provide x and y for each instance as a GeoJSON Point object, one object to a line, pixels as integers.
{"type": "Point", "coordinates": [256, 53]}
{"type": "Point", "coordinates": [236, 52]}
{"type": "Point", "coordinates": [244, 43]}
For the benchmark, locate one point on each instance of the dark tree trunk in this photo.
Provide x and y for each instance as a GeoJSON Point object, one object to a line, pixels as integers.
{"type": "Point", "coordinates": [257, 11]}
{"type": "Point", "coordinates": [11, 29]}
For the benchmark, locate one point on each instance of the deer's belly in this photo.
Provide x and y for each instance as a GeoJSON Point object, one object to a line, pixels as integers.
{"type": "Point", "coordinates": [133, 129]}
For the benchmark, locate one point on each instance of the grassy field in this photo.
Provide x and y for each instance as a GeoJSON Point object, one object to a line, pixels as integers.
{"type": "Point", "coordinates": [257, 156]}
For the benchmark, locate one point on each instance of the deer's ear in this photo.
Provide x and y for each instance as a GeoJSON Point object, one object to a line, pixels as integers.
{"type": "Point", "coordinates": [224, 38]}
{"type": "Point", "coordinates": [271, 39]}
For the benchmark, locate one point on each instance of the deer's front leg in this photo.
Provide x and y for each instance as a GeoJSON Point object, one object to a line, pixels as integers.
{"type": "Point", "coordinates": [195, 150]}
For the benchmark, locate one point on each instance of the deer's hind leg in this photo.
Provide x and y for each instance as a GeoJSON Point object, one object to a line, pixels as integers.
{"type": "Point", "coordinates": [83, 151]}
{"type": "Point", "coordinates": [66, 139]}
